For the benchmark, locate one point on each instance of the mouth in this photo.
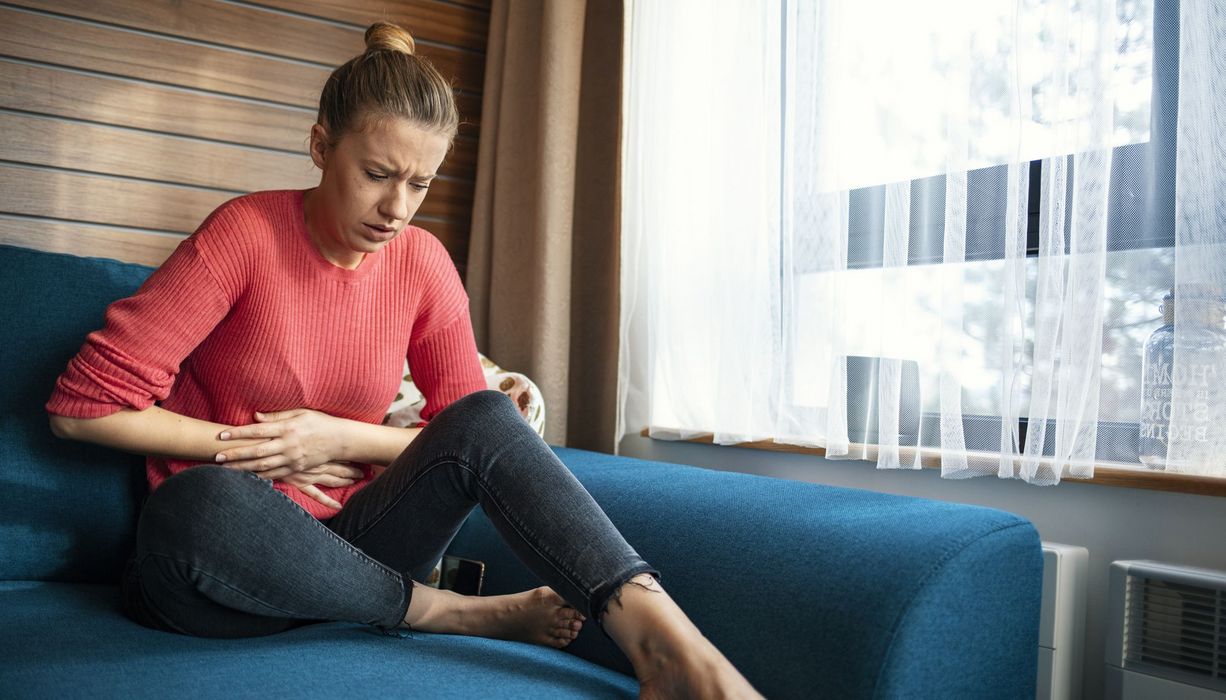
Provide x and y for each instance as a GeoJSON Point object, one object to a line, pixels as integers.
{"type": "Point", "coordinates": [380, 233]}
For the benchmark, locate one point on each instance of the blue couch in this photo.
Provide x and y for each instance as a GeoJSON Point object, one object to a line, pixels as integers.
{"type": "Point", "coordinates": [812, 591]}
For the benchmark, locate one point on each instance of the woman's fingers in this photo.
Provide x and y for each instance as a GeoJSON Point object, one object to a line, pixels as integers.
{"type": "Point", "coordinates": [266, 429]}
{"type": "Point", "coordinates": [323, 480]}
{"type": "Point", "coordinates": [246, 457]}
{"type": "Point", "coordinates": [318, 495]}
{"type": "Point", "coordinates": [278, 415]}
{"type": "Point", "coordinates": [277, 473]}
{"type": "Point", "coordinates": [334, 481]}
{"type": "Point", "coordinates": [249, 452]}
{"type": "Point", "coordinates": [346, 471]}
{"type": "Point", "coordinates": [326, 474]}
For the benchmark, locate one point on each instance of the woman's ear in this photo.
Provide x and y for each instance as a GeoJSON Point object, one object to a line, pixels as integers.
{"type": "Point", "coordinates": [319, 145]}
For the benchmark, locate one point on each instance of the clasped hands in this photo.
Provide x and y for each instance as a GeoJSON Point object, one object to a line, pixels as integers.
{"type": "Point", "coordinates": [300, 447]}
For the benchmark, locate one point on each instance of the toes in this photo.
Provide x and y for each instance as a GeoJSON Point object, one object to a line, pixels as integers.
{"type": "Point", "coordinates": [568, 632]}
{"type": "Point", "coordinates": [565, 621]}
{"type": "Point", "coordinates": [573, 624]}
{"type": "Point", "coordinates": [551, 595]}
{"type": "Point", "coordinates": [563, 638]}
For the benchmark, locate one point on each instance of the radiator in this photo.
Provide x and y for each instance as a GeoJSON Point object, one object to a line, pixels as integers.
{"type": "Point", "coordinates": [1166, 635]}
{"type": "Point", "coordinates": [1062, 622]}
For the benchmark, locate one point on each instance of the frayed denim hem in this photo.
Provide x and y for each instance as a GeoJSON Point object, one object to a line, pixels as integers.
{"type": "Point", "coordinates": [401, 628]}
{"type": "Point", "coordinates": [611, 593]}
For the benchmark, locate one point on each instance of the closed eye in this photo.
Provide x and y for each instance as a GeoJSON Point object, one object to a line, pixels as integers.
{"type": "Point", "coordinates": [420, 186]}
{"type": "Point", "coordinates": [375, 176]}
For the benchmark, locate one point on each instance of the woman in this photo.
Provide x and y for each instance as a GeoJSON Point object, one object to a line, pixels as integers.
{"type": "Point", "coordinates": [297, 309]}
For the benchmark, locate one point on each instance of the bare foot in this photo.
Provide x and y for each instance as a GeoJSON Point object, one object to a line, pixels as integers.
{"type": "Point", "coordinates": [701, 671]}
{"type": "Point", "coordinates": [670, 656]}
{"type": "Point", "coordinates": [538, 616]}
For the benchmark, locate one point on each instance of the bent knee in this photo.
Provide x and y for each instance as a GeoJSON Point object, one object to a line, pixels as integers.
{"type": "Point", "coordinates": [196, 500]}
{"type": "Point", "coordinates": [481, 407]}
{"type": "Point", "coordinates": [486, 400]}
{"type": "Point", "coordinates": [482, 418]}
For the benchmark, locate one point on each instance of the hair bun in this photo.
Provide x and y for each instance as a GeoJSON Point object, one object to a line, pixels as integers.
{"type": "Point", "coordinates": [385, 36]}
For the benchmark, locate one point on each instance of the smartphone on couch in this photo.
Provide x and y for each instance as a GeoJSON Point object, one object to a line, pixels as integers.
{"type": "Point", "coordinates": [464, 576]}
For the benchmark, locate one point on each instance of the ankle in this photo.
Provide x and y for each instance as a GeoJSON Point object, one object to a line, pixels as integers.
{"type": "Point", "coordinates": [432, 610]}
{"type": "Point", "coordinates": [647, 624]}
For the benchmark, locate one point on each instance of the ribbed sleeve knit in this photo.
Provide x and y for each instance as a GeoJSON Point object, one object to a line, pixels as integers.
{"type": "Point", "coordinates": [246, 315]}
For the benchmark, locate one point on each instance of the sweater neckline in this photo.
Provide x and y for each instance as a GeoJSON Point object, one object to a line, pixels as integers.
{"type": "Point", "coordinates": [317, 260]}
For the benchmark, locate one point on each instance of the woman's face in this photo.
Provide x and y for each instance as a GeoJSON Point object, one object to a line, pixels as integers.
{"type": "Point", "coordinates": [374, 179]}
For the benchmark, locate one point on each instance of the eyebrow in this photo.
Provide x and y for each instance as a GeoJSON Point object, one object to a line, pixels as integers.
{"type": "Point", "coordinates": [388, 169]}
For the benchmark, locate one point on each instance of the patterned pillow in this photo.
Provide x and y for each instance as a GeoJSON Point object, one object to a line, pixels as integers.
{"type": "Point", "coordinates": [405, 411]}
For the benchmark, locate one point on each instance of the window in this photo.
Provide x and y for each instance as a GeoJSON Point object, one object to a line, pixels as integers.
{"type": "Point", "coordinates": [878, 222]}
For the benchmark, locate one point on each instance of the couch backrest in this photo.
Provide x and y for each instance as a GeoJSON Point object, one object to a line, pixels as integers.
{"type": "Point", "coordinates": [67, 509]}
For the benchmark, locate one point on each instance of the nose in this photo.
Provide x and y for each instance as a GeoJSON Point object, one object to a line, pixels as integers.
{"type": "Point", "coordinates": [395, 204]}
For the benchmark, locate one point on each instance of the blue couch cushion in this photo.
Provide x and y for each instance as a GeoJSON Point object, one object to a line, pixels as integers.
{"type": "Point", "coordinates": [813, 590]}
{"type": "Point", "coordinates": [66, 509]}
{"type": "Point", "coordinates": [63, 640]}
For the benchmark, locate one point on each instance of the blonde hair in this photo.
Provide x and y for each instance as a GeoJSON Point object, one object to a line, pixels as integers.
{"type": "Point", "coordinates": [388, 80]}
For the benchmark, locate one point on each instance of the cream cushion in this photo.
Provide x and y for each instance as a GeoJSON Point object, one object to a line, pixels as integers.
{"type": "Point", "coordinates": [405, 411]}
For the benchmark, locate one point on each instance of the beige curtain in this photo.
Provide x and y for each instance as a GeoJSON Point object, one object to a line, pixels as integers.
{"type": "Point", "coordinates": [543, 260]}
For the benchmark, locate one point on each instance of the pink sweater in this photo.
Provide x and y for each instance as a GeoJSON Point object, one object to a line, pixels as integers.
{"type": "Point", "coordinates": [246, 315]}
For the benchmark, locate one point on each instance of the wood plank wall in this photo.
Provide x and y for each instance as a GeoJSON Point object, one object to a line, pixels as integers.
{"type": "Point", "coordinates": [123, 123]}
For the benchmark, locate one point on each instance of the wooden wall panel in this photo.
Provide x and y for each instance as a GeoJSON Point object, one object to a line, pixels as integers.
{"type": "Point", "coordinates": [430, 20]}
{"type": "Point", "coordinates": [452, 236]}
{"type": "Point", "coordinates": [144, 247]}
{"type": "Point", "coordinates": [106, 200]}
{"type": "Point", "coordinates": [139, 154]}
{"type": "Point", "coordinates": [168, 110]}
{"type": "Point", "coordinates": [123, 123]}
{"type": "Point", "coordinates": [76, 44]}
{"type": "Point", "coordinates": [461, 163]}
{"type": "Point", "coordinates": [103, 100]}
{"type": "Point", "coordinates": [254, 29]}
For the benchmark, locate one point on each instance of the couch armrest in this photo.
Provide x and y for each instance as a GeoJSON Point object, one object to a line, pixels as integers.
{"type": "Point", "coordinates": [817, 591]}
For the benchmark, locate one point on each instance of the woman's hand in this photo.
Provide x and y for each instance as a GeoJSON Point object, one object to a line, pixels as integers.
{"type": "Point", "coordinates": [294, 441]}
{"type": "Point", "coordinates": [326, 474]}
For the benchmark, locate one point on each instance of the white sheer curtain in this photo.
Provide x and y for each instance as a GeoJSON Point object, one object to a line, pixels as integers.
{"type": "Point", "coordinates": [901, 231]}
{"type": "Point", "coordinates": [1197, 432]}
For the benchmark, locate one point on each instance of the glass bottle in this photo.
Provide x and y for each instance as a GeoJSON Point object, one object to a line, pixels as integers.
{"type": "Point", "coordinates": [1159, 356]}
{"type": "Point", "coordinates": [1195, 383]}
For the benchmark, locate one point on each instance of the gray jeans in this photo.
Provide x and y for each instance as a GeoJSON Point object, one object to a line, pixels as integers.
{"type": "Point", "coordinates": [220, 553]}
